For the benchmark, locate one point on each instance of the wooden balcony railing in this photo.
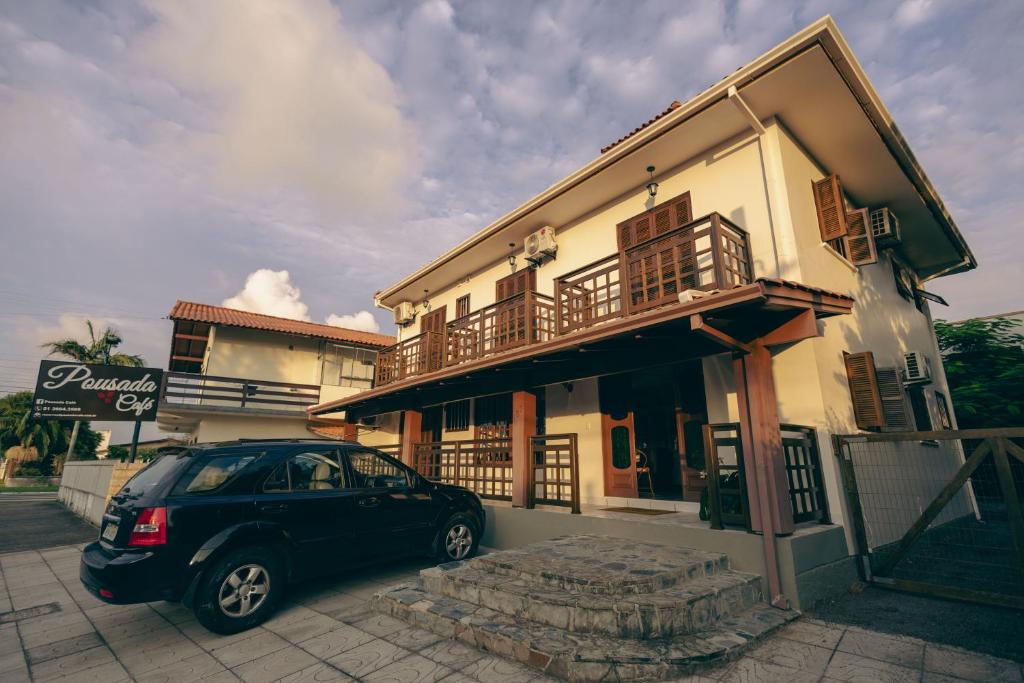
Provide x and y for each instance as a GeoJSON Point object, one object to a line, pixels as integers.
{"type": "Point", "coordinates": [526, 318]}
{"type": "Point", "coordinates": [555, 471]}
{"type": "Point", "coordinates": [483, 466]}
{"type": "Point", "coordinates": [189, 389]}
{"type": "Point", "coordinates": [412, 356]}
{"type": "Point", "coordinates": [589, 295]}
{"type": "Point", "coordinates": [709, 253]}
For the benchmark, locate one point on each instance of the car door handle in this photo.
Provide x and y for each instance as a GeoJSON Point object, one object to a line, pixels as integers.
{"type": "Point", "coordinates": [274, 507]}
{"type": "Point", "coordinates": [371, 502]}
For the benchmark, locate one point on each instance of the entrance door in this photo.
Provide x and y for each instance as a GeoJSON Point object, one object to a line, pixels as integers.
{"type": "Point", "coordinates": [615, 392]}
{"type": "Point", "coordinates": [433, 419]}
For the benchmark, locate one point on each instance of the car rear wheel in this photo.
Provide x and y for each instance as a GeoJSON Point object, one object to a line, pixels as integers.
{"type": "Point", "coordinates": [458, 539]}
{"type": "Point", "coordinates": [240, 591]}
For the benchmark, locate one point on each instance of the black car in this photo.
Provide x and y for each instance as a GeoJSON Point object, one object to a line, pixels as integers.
{"type": "Point", "coordinates": [225, 527]}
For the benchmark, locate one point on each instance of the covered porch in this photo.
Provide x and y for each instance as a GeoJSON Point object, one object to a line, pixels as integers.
{"type": "Point", "coordinates": [758, 476]}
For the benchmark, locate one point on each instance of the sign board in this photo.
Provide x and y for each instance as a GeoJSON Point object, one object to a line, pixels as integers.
{"type": "Point", "coordinates": [76, 391]}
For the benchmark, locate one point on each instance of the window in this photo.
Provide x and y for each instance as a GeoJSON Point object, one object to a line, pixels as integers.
{"type": "Point", "coordinates": [371, 470]}
{"type": "Point", "coordinates": [848, 231]}
{"type": "Point", "coordinates": [945, 421]}
{"type": "Point", "coordinates": [306, 472]}
{"type": "Point", "coordinates": [462, 306]}
{"type": "Point", "coordinates": [347, 366]}
{"type": "Point", "coordinates": [493, 416]}
{"type": "Point", "coordinates": [217, 471]}
{"type": "Point", "coordinates": [456, 416]}
{"type": "Point", "coordinates": [919, 404]}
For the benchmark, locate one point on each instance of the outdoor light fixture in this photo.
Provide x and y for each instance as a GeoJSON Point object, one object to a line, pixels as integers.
{"type": "Point", "coordinates": [652, 187]}
{"type": "Point", "coordinates": [512, 256]}
{"type": "Point", "coordinates": [426, 301]}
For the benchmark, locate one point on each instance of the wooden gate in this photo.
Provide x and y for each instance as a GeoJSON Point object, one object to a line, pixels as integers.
{"type": "Point", "coordinates": [938, 512]}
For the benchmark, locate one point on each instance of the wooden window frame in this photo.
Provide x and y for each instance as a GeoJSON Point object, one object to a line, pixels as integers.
{"type": "Point", "coordinates": [456, 415]}
{"type": "Point", "coordinates": [462, 306]}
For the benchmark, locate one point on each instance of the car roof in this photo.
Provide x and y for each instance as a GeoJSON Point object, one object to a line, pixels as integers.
{"type": "Point", "coordinates": [271, 442]}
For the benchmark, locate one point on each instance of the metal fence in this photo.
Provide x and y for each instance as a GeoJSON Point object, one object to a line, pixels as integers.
{"type": "Point", "coordinates": [939, 512]}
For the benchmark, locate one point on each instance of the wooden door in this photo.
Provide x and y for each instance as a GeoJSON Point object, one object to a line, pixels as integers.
{"type": "Point", "coordinates": [430, 429]}
{"type": "Point", "coordinates": [617, 430]}
{"type": "Point", "coordinates": [433, 344]}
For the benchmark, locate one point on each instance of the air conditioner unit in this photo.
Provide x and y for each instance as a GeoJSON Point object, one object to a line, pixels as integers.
{"type": "Point", "coordinates": [540, 244]}
{"type": "Point", "coordinates": [404, 313]}
{"type": "Point", "coordinates": [916, 368]}
{"type": "Point", "coordinates": [885, 227]}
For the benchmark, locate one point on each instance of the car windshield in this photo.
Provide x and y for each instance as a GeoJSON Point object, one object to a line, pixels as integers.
{"type": "Point", "coordinates": [149, 477]}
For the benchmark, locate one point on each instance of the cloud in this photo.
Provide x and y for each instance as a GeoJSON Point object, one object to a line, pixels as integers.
{"type": "Point", "coordinates": [272, 293]}
{"type": "Point", "coordinates": [363, 320]}
{"type": "Point", "coordinates": [283, 99]}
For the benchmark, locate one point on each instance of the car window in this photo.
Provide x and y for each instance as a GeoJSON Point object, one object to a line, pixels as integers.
{"type": "Point", "coordinates": [163, 467]}
{"type": "Point", "coordinates": [217, 471]}
{"type": "Point", "coordinates": [306, 472]}
{"type": "Point", "coordinates": [371, 470]}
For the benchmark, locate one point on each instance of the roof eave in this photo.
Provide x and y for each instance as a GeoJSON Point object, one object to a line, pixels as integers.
{"type": "Point", "coordinates": [825, 32]}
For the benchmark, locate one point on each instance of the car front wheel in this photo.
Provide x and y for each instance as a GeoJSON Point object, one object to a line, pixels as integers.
{"type": "Point", "coordinates": [240, 591]}
{"type": "Point", "coordinates": [458, 539]}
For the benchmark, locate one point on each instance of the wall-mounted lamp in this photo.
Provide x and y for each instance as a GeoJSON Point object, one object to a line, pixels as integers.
{"type": "Point", "coordinates": [652, 187]}
{"type": "Point", "coordinates": [512, 256]}
{"type": "Point", "coordinates": [426, 301]}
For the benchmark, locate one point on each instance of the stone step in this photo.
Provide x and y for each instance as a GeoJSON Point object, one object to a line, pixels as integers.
{"type": "Point", "coordinates": [582, 657]}
{"type": "Point", "coordinates": [688, 607]}
{"type": "Point", "coordinates": [602, 565]}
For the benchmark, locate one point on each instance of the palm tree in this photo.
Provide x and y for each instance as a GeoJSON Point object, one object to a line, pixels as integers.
{"type": "Point", "coordinates": [100, 351]}
{"type": "Point", "coordinates": [17, 424]}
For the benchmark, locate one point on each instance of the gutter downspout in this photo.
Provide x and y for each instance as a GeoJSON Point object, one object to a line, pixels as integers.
{"type": "Point", "coordinates": [771, 561]}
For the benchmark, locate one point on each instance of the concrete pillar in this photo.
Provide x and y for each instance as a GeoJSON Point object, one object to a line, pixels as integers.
{"type": "Point", "coordinates": [524, 426]}
{"type": "Point", "coordinates": [412, 432]}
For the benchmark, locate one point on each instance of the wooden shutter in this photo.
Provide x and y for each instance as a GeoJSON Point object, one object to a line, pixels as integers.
{"type": "Point", "coordinates": [894, 399]}
{"type": "Point", "coordinates": [860, 243]}
{"type": "Point", "coordinates": [867, 401]}
{"type": "Point", "coordinates": [828, 198]}
{"type": "Point", "coordinates": [669, 215]}
{"type": "Point", "coordinates": [516, 283]}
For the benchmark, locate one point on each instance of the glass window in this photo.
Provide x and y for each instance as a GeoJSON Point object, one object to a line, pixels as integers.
{"type": "Point", "coordinates": [217, 471]}
{"type": "Point", "coordinates": [155, 472]}
{"type": "Point", "coordinates": [306, 472]}
{"type": "Point", "coordinates": [371, 470]}
{"type": "Point", "coordinates": [347, 366]}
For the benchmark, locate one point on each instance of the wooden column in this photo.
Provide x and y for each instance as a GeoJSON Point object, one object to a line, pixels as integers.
{"type": "Point", "coordinates": [412, 432]}
{"type": "Point", "coordinates": [524, 426]}
{"type": "Point", "coordinates": [351, 432]}
{"type": "Point", "coordinates": [763, 459]}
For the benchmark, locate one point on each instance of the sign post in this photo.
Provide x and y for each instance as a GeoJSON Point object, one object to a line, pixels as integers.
{"type": "Point", "coordinates": [135, 441]}
{"type": "Point", "coordinates": [113, 393]}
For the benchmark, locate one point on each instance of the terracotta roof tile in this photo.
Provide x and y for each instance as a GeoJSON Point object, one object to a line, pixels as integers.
{"type": "Point", "coordinates": [218, 315]}
{"type": "Point", "coordinates": [672, 107]}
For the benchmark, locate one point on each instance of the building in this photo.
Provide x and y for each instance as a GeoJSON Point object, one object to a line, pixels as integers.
{"type": "Point", "coordinates": [718, 292]}
{"type": "Point", "coordinates": [235, 374]}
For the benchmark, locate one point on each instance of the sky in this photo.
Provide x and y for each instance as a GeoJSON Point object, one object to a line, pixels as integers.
{"type": "Point", "coordinates": [295, 156]}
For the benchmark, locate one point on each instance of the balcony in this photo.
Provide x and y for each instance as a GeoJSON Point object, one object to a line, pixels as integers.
{"type": "Point", "coordinates": [185, 390]}
{"type": "Point", "coordinates": [710, 253]}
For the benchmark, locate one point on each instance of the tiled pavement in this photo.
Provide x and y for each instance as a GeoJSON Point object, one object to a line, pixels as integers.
{"type": "Point", "coordinates": [325, 632]}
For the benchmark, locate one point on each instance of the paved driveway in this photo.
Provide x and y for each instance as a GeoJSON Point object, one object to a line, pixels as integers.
{"type": "Point", "coordinates": [325, 632]}
{"type": "Point", "coordinates": [29, 521]}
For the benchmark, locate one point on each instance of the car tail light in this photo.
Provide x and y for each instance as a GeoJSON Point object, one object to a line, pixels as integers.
{"type": "Point", "coordinates": [150, 528]}
{"type": "Point", "coordinates": [106, 593]}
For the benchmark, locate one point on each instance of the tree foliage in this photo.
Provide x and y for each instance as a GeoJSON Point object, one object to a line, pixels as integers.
{"type": "Point", "coordinates": [984, 362]}
{"type": "Point", "coordinates": [99, 349]}
{"type": "Point", "coordinates": [50, 438]}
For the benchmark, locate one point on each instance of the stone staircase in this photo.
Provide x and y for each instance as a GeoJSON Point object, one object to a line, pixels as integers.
{"type": "Point", "coordinates": [593, 608]}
